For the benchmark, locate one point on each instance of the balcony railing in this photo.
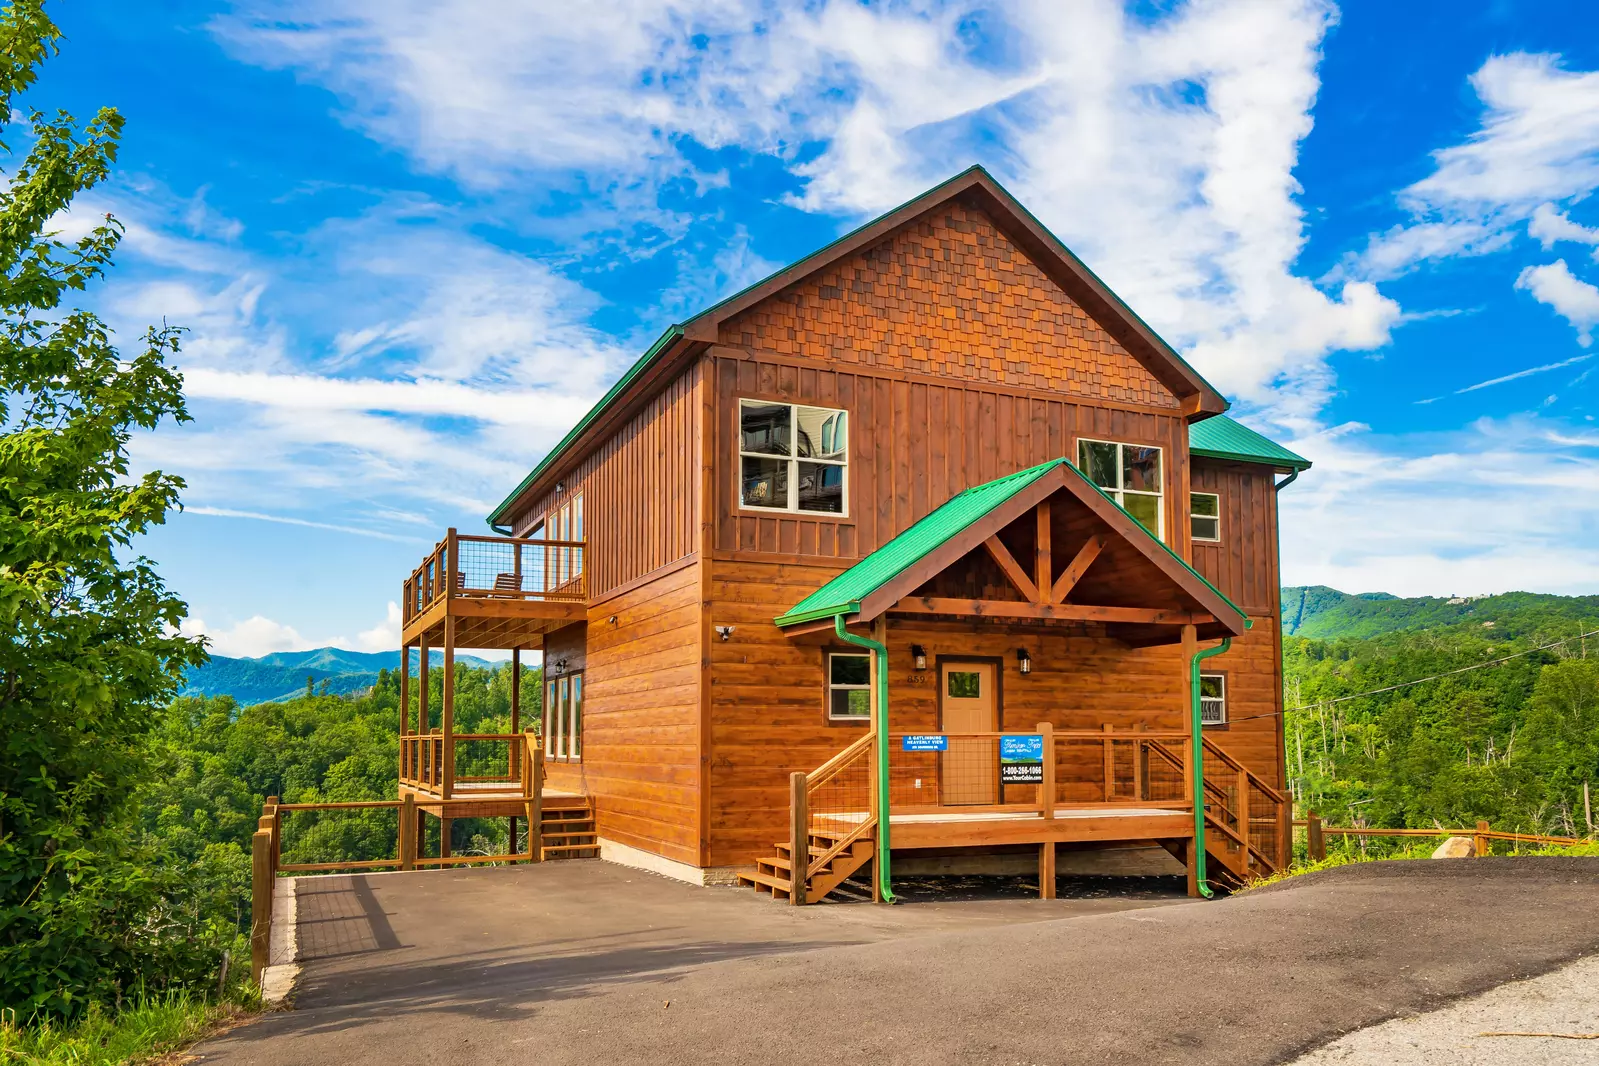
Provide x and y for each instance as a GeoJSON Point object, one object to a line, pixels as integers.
{"type": "Point", "coordinates": [496, 568]}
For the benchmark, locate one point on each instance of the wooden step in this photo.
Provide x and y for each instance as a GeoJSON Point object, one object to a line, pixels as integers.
{"type": "Point", "coordinates": [569, 847]}
{"type": "Point", "coordinates": [576, 833]}
{"type": "Point", "coordinates": [755, 877]}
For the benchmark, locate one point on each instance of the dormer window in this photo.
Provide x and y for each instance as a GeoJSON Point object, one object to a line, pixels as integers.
{"type": "Point", "coordinates": [792, 457]}
{"type": "Point", "coordinates": [1130, 474]}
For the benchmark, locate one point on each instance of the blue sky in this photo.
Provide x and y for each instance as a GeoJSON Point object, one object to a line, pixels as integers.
{"type": "Point", "coordinates": [413, 242]}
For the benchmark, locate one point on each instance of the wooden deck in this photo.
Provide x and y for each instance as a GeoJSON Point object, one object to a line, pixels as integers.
{"type": "Point", "coordinates": [955, 827]}
{"type": "Point", "coordinates": [492, 799]}
{"type": "Point", "coordinates": [493, 592]}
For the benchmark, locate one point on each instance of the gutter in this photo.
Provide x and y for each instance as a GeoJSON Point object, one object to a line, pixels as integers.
{"type": "Point", "coordinates": [1199, 762]}
{"type": "Point", "coordinates": [1289, 480]}
{"type": "Point", "coordinates": [880, 859]}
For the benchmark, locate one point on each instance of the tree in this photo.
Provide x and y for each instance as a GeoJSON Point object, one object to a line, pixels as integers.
{"type": "Point", "coordinates": [89, 644]}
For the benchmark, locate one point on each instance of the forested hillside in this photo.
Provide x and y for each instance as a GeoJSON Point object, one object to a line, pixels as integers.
{"type": "Point", "coordinates": [1512, 741]}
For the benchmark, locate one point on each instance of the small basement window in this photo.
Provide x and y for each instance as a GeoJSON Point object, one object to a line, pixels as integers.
{"type": "Point", "coordinates": [1212, 699]}
{"type": "Point", "coordinates": [792, 457]}
{"type": "Point", "coordinates": [1204, 516]}
{"type": "Point", "coordinates": [849, 687]}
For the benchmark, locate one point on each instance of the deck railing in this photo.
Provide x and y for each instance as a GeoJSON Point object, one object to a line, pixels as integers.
{"type": "Point", "coordinates": [496, 568]}
{"type": "Point", "coordinates": [485, 758]}
{"type": "Point", "coordinates": [337, 823]}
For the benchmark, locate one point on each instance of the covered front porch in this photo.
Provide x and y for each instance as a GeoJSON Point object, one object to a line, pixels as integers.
{"type": "Point", "coordinates": [1032, 656]}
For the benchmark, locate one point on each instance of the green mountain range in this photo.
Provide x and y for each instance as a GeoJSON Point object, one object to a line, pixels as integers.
{"type": "Point", "coordinates": [282, 675]}
{"type": "Point", "coordinates": [1322, 613]}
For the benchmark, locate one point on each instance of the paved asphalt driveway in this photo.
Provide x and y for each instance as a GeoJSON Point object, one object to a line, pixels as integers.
{"type": "Point", "coordinates": [585, 962]}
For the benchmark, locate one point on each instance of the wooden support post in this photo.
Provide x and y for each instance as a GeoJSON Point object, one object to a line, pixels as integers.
{"type": "Point", "coordinates": [1188, 770]}
{"type": "Point", "coordinates": [1192, 855]}
{"type": "Point", "coordinates": [1479, 841]}
{"type": "Point", "coordinates": [1047, 790]}
{"type": "Point", "coordinates": [405, 708]}
{"type": "Point", "coordinates": [272, 822]}
{"type": "Point", "coordinates": [424, 714]}
{"type": "Point", "coordinates": [510, 846]}
{"type": "Point", "coordinates": [1046, 870]}
{"type": "Point", "coordinates": [1110, 763]}
{"type": "Point", "coordinates": [444, 836]}
{"type": "Point", "coordinates": [1241, 812]}
{"type": "Point", "coordinates": [408, 831]}
{"type": "Point", "coordinates": [1285, 832]}
{"type": "Point", "coordinates": [799, 839]}
{"type": "Point", "coordinates": [260, 903]}
{"type": "Point", "coordinates": [1043, 564]}
{"type": "Point", "coordinates": [515, 753]}
{"type": "Point", "coordinates": [1140, 764]}
{"type": "Point", "coordinates": [447, 782]}
{"type": "Point", "coordinates": [1315, 842]}
{"type": "Point", "coordinates": [535, 799]}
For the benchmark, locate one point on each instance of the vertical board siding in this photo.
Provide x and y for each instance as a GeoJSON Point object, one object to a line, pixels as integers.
{"type": "Point", "coordinates": [639, 490]}
{"type": "Point", "coordinates": [913, 445]}
{"type": "Point", "coordinates": [1244, 565]}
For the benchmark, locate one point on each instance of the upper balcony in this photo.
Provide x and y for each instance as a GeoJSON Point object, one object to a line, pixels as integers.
{"type": "Point", "coordinates": [493, 592]}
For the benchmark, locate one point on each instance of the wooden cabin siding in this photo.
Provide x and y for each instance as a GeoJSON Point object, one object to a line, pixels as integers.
{"type": "Point", "coordinates": [1244, 565]}
{"type": "Point", "coordinates": [639, 490]}
{"type": "Point", "coordinates": [914, 443]}
{"type": "Point", "coordinates": [641, 717]}
{"type": "Point", "coordinates": [949, 294]}
{"type": "Point", "coordinates": [768, 697]}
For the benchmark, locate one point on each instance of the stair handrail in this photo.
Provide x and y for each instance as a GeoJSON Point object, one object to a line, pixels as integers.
{"type": "Point", "coordinates": [829, 769]}
{"type": "Point", "coordinates": [1220, 795]}
{"type": "Point", "coordinates": [799, 856]}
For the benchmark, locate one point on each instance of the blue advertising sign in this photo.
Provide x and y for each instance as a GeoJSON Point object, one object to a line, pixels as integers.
{"type": "Point", "coordinates": [927, 742]}
{"type": "Point", "coordinates": [1021, 760]}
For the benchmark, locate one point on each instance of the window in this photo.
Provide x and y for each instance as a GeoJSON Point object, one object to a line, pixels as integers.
{"type": "Point", "coordinates": [849, 687]}
{"type": "Point", "coordinates": [1204, 516]}
{"type": "Point", "coordinates": [791, 457]}
{"type": "Point", "coordinates": [563, 718]}
{"type": "Point", "coordinates": [1212, 699]}
{"type": "Point", "coordinates": [1131, 475]}
{"type": "Point", "coordinates": [965, 685]}
{"type": "Point", "coordinates": [564, 564]}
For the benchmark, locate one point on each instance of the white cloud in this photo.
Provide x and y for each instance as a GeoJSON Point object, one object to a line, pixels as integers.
{"type": "Point", "coordinates": [1572, 298]}
{"type": "Point", "coordinates": [251, 638]}
{"type": "Point", "coordinates": [1537, 146]}
{"type": "Point", "coordinates": [385, 636]}
{"type": "Point", "coordinates": [1549, 224]}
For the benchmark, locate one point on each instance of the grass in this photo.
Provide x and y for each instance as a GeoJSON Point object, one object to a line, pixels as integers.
{"type": "Point", "coordinates": [140, 1033]}
{"type": "Point", "coordinates": [1422, 849]}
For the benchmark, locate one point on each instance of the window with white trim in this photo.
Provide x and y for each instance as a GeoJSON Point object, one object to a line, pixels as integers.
{"type": "Point", "coordinates": [849, 686]}
{"type": "Point", "coordinates": [1204, 517]}
{"type": "Point", "coordinates": [1130, 474]}
{"type": "Point", "coordinates": [562, 565]}
{"type": "Point", "coordinates": [1212, 699]}
{"type": "Point", "coordinates": [563, 718]}
{"type": "Point", "coordinates": [792, 457]}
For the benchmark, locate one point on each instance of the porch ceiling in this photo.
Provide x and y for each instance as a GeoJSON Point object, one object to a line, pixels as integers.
{"type": "Point", "coordinates": [1043, 546]}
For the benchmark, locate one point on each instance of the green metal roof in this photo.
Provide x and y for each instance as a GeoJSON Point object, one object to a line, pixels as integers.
{"type": "Point", "coordinates": [1219, 437]}
{"type": "Point", "coordinates": [843, 594]}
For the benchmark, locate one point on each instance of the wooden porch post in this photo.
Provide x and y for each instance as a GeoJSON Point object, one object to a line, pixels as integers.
{"type": "Point", "coordinates": [424, 716]}
{"type": "Point", "coordinates": [799, 839]}
{"type": "Point", "coordinates": [407, 840]}
{"type": "Point", "coordinates": [534, 799]}
{"type": "Point", "coordinates": [1046, 791]}
{"type": "Point", "coordinates": [1315, 842]}
{"type": "Point", "coordinates": [514, 748]}
{"type": "Point", "coordinates": [447, 781]}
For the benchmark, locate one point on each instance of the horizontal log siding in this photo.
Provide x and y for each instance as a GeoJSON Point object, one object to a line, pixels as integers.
{"type": "Point", "coordinates": [768, 717]}
{"type": "Point", "coordinates": [1244, 564]}
{"type": "Point", "coordinates": [639, 490]}
{"type": "Point", "coordinates": [913, 445]}
{"type": "Point", "coordinates": [641, 718]}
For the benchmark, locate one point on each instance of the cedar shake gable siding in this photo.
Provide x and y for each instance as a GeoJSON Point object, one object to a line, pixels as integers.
{"type": "Point", "coordinates": [949, 294]}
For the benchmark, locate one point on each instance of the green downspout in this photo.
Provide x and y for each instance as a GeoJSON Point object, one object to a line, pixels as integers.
{"type": "Point", "coordinates": [880, 860]}
{"type": "Point", "coordinates": [1198, 746]}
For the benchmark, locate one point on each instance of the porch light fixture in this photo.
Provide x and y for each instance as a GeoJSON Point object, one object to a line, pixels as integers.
{"type": "Point", "coordinates": [919, 653]}
{"type": "Point", "coordinates": [558, 667]}
{"type": "Point", "coordinates": [1024, 661]}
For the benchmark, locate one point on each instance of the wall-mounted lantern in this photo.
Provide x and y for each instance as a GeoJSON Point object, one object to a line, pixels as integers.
{"type": "Point", "coordinates": [1024, 661]}
{"type": "Point", "coordinates": [919, 654]}
{"type": "Point", "coordinates": [558, 667]}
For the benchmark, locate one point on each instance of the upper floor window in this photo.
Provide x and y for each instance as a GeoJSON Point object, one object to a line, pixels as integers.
{"type": "Point", "coordinates": [792, 457]}
{"type": "Point", "coordinates": [1204, 516]}
{"type": "Point", "coordinates": [561, 565]}
{"type": "Point", "coordinates": [1131, 475]}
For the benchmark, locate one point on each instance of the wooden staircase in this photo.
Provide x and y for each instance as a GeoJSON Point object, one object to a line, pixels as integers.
{"type": "Point", "coordinates": [1247, 821]}
{"type": "Point", "coordinates": [774, 875]}
{"type": "Point", "coordinates": [568, 833]}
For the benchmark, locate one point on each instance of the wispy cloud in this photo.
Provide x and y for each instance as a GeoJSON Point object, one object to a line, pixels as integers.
{"type": "Point", "coordinates": [1572, 298]}
{"type": "Point", "coordinates": [225, 512]}
{"type": "Point", "coordinates": [1518, 375]}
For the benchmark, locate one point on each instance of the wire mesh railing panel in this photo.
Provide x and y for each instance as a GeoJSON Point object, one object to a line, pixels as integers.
{"type": "Point", "coordinates": [839, 799]}
{"type": "Point", "coordinates": [519, 568]}
{"type": "Point", "coordinates": [913, 778]}
{"type": "Point", "coordinates": [486, 758]}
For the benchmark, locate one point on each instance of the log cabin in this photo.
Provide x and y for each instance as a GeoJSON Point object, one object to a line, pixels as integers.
{"type": "Point", "coordinates": [924, 553]}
